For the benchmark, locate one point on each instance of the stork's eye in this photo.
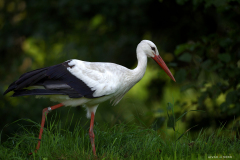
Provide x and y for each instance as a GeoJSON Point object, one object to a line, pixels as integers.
{"type": "Point", "coordinates": [153, 48]}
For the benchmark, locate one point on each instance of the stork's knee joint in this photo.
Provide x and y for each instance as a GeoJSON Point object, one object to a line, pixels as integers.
{"type": "Point", "coordinates": [49, 109]}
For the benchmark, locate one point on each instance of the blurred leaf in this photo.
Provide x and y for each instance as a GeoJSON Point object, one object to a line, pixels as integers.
{"type": "Point", "coordinates": [224, 57]}
{"type": "Point", "coordinates": [225, 42]}
{"type": "Point", "coordinates": [187, 112]}
{"type": "Point", "coordinates": [205, 39]}
{"type": "Point", "coordinates": [216, 66]}
{"type": "Point", "coordinates": [234, 110]}
{"type": "Point", "coordinates": [185, 57]}
{"type": "Point", "coordinates": [202, 98]}
{"type": "Point", "coordinates": [232, 72]}
{"type": "Point", "coordinates": [158, 123]}
{"type": "Point", "coordinates": [181, 2]}
{"type": "Point", "coordinates": [172, 64]}
{"type": "Point", "coordinates": [215, 91]}
{"type": "Point", "coordinates": [96, 21]}
{"type": "Point", "coordinates": [206, 64]}
{"type": "Point", "coordinates": [231, 97]}
{"type": "Point", "coordinates": [159, 110]}
{"type": "Point", "coordinates": [194, 73]}
{"type": "Point", "coordinates": [180, 75]}
{"type": "Point", "coordinates": [185, 87]}
{"type": "Point", "coordinates": [224, 106]}
{"type": "Point", "coordinates": [171, 122]}
{"type": "Point", "coordinates": [169, 106]}
{"type": "Point", "coordinates": [197, 59]}
{"type": "Point", "coordinates": [171, 118]}
{"type": "Point", "coordinates": [180, 48]}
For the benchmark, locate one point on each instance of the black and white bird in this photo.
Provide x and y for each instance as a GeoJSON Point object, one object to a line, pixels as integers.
{"type": "Point", "coordinates": [75, 82]}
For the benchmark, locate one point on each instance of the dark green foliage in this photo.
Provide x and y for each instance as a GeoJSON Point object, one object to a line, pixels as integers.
{"type": "Point", "coordinates": [211, 63]}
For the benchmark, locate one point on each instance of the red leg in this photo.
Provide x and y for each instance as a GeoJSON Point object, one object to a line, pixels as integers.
{"type": "Point", "coordinates": [91, 134]}
{"type": "Point", "coordinates": [44, 114]}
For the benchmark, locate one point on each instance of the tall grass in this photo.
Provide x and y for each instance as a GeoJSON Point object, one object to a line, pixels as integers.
{"type": "Point", "coordinates": [122, 141]}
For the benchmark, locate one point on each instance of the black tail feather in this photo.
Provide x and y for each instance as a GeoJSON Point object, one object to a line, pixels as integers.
{"type": "Point", "coordinates": [10, 88]}
{"type": "Point", "coordinates": [27, 79]}
{"type": "Point", "coordinates": [30, 81]}
{"type": "Point", "coordinates": [30, 74]}
{"type": "Point", "coordinates": [55, 79]}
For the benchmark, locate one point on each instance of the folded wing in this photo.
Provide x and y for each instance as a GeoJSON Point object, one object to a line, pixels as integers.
{"type": "Point", "coordinates": [55, 80]}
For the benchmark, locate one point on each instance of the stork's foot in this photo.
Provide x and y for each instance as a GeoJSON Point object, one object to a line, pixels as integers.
{"type": "Point", "coordinates": [91, 135]}
{"type": "Point", "coordinates": [32, 153]}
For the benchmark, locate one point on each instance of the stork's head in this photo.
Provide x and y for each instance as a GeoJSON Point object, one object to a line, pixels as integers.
{"type": "Point", "coordinates": [150, 49]}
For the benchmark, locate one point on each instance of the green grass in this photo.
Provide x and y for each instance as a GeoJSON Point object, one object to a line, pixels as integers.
{"type": "Point", "coordinates": [122, 141]}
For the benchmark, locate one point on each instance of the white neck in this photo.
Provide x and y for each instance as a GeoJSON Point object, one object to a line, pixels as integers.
{"type": "Point", "coordinates": [139, 71]}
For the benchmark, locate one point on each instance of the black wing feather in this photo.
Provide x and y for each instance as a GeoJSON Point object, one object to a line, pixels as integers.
{"type": "Point", "coordinates": [56, 80]}
{"type": "Point", "coordinates": [28, 75]}
{"type": "Point", "coordinates": [23, 80]}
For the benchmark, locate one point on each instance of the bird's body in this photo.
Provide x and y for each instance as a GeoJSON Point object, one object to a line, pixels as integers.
{"type": "Point", "coordinates": [75, 82]}
{"type": "Point", "coordinates": [107, 80]}
{"type": "Point", "coordinates": [101, 82]}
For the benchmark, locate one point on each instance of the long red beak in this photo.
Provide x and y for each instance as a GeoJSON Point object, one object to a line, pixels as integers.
{"type": "Point", "coordinates": [162, 64]}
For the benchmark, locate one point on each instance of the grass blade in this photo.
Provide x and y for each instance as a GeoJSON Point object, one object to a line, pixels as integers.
{"type": "Point", "coordinates": [186, 113]}
{"type": "Point", "coordinates": [186, 132]}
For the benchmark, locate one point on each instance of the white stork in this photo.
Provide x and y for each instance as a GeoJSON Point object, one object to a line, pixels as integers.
{"type": "Point", "coordinates": [75, 82]}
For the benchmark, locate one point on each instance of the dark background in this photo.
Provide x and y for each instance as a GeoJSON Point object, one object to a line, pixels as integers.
{"type": "Point", "coordinates": [198, 39]}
